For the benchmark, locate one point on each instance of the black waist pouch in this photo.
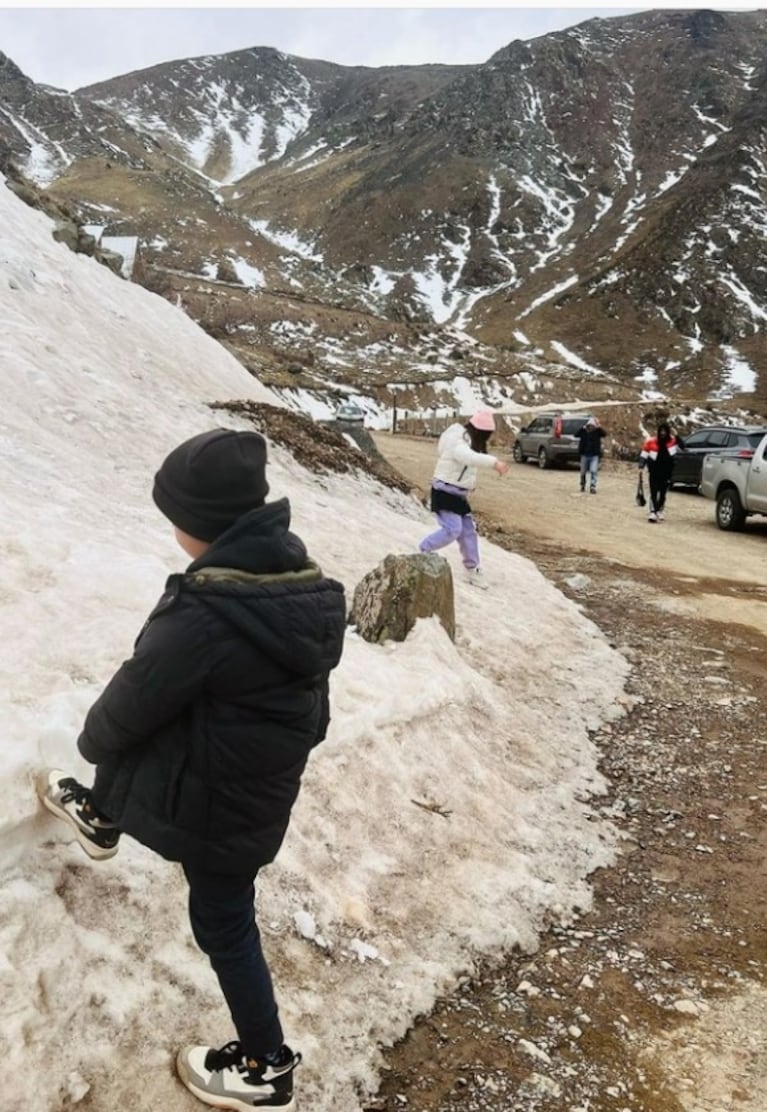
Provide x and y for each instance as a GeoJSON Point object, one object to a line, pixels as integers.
{"type": "Point", "coordinates": [452, 503]}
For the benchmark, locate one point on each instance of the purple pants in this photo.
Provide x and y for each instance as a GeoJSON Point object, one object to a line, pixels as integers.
{"type": "Point", "coordinates": [454, 527]}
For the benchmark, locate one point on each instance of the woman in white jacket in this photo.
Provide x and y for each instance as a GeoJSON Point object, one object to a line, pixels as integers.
{"type": "Point", "coordinates": [462, 449]}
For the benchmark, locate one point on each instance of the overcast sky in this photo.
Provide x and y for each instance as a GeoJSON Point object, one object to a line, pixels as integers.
{"type": "Point", "coordinates": [70, 47]}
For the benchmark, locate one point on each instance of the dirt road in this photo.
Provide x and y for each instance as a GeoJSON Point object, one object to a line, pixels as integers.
{"type": "Point", "coordinates": [727, 571]}
{"type": "Point", "coordinates": [653, 1000]}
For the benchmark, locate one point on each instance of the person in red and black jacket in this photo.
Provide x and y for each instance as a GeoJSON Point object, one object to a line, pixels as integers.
{"type": "Point", "coordinates": [657, 455]}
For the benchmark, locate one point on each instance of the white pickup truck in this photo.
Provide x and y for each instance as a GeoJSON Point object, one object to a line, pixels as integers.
{"type": "Point", "coordinates": [737, 485]}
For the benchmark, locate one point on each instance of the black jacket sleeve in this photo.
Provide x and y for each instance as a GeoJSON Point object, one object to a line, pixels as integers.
{"type": "Point", "coordinates": [165, 674]}
{"type": "Point", "coordinates": [324, 722]}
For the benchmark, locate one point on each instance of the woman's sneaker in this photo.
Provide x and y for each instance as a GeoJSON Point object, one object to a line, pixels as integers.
{"type": "Point", "coordinates": [225, 1078]}
{"type": "Point", "coordinates": [68, 800]}
{"type": "Point", "coordinates": [475, 578]}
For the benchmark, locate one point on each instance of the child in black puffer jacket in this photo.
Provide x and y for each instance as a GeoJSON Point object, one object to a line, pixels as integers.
{"type": "Point", "coordinates": [201, 737]}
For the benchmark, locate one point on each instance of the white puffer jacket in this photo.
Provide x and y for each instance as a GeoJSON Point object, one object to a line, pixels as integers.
{"type": "Point", "coordinates": [457, 463]}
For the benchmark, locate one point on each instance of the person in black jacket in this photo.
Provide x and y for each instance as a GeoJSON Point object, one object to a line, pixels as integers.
{"type": "Point", "coordinates": [590, 450]}
{"type": "Point", "coordinates": [201, 737]}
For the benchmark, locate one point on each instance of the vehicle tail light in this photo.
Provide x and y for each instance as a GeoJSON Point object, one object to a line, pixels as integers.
{"type": "Point", "coordinates": [745, 453]}
{"type": "Point", "coordinates": [558, 428]}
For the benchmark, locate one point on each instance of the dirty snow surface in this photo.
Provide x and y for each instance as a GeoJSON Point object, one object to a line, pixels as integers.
{"type": "Point", "coordinates": [375, 903]}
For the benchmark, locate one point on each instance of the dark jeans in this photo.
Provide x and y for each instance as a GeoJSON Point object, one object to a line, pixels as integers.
{"type": "Point", "coordinates": [658, 486]}
{"type": "Point", "coordinates": [223, 917]}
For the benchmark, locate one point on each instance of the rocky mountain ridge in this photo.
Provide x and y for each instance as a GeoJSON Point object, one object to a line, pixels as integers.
{"type": "Point", "coordinates": [586, 209]}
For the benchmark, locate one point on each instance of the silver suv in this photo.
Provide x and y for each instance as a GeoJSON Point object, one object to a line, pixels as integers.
{"type": "Point", "coordinates": [550, 439]}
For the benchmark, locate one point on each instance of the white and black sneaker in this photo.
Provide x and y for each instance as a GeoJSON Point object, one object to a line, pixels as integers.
{"type": "Point", "coordinates": [225, 1078]}
{"type": "Point", "coordinates": [68, 800]}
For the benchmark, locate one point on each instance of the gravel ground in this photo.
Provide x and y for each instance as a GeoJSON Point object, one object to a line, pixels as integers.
{"type": "Point", "coordinates": [654, 998]}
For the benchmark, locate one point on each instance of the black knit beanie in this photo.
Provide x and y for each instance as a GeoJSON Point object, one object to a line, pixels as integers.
{"type": "Point", "coordinates": [206, 483]}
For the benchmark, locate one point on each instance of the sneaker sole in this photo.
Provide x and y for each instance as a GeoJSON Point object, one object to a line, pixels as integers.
{"type": "Point", "coordinates": [96, 852]}
{"type": "Point", "coordinates": [230, 1103]}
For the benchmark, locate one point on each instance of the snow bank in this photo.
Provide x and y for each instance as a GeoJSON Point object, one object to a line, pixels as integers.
{"type": "Point", "coordinates": [376, 902]}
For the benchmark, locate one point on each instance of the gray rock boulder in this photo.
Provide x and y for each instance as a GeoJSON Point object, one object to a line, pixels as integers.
{"type": "Point", "coordinates": [225, 272]}
{"type": "Point", "coordinates": [390, 599]}
{"type": "Point", "coordinates": [110, 259]}
{"type": "Point", "coordinates": [65, 232]}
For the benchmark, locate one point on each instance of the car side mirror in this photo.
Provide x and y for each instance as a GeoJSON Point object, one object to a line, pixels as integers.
{"type": "Point", "coordinates": [524, 428]}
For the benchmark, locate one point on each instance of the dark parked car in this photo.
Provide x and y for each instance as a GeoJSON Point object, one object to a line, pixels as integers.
{"type": "Point", "coordinates": [551, 438]}
{"type": "Point", "coordinates": [720, 440]}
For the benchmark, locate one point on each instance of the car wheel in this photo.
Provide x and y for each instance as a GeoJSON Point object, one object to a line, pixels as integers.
{"type": "Point", "coordinates": [729, 510]}
{"type": "Point", "coordinates": [543, 459]}
{"type": "Point", "coordinates": [518, 454]}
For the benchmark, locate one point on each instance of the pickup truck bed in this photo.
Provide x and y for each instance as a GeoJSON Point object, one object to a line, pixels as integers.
{"type": "Point", "coordinates": [738, 486]}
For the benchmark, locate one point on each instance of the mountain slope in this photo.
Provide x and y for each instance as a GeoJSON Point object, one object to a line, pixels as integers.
{"type": "Point", "coordinates": [594, 198]}
{"type": "Point", "coordinates": [227, 115]}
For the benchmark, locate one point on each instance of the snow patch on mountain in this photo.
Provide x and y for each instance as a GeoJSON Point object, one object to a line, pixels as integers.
{"type": "Point", "coordinates": [496, 251]}
{"type": "Point", "coordinates": [743, 294]}
{"type": "Point", "coordinates": [748, 72]}
{"type": "Point", "coordinates": [674, 176]}
{"type": "Point", "coordinates": [288, 241]}
{"type": "Point", "coordinates": [557, 216]}
{"type": "Point", "coordinates": [574, 360]}
{"type": "Point", "coordinates": [741, 378]}
{"type": "Point", "coordinates": [559, 288]}
{"type": "Point", "coordinates": [248, 274]}
{"type": "Point", "coordinates": [382, 282]}
{"type": "Point", "coordinates": [624, 108]}
{"type": "Point", "coordinates": [46, 159]}
{"type": "Point", "coordinates": [437, 292]}
{"type": "Point", "coordinates": [228, 129]}
{"type": "Point", "coordinates": [709, 121]}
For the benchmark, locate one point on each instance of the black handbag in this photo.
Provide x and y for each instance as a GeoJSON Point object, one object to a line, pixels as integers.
{"type": "Point", "coordinates": [640, 498]}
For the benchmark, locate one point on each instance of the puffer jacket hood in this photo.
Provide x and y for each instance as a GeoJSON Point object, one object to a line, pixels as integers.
{"type": "Point", "coordinates": [258, 577]}
{"type": "Point", "coordinates": [259, 542]}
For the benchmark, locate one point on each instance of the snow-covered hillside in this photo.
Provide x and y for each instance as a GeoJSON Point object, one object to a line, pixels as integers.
{"type": "Point", "coordinates": [375, 904]}
{"type": "Point", "coordinates": [224, 116]}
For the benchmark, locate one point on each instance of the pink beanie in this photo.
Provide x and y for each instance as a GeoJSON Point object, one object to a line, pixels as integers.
{"type": "Point", "coordinates": [483, 419]}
